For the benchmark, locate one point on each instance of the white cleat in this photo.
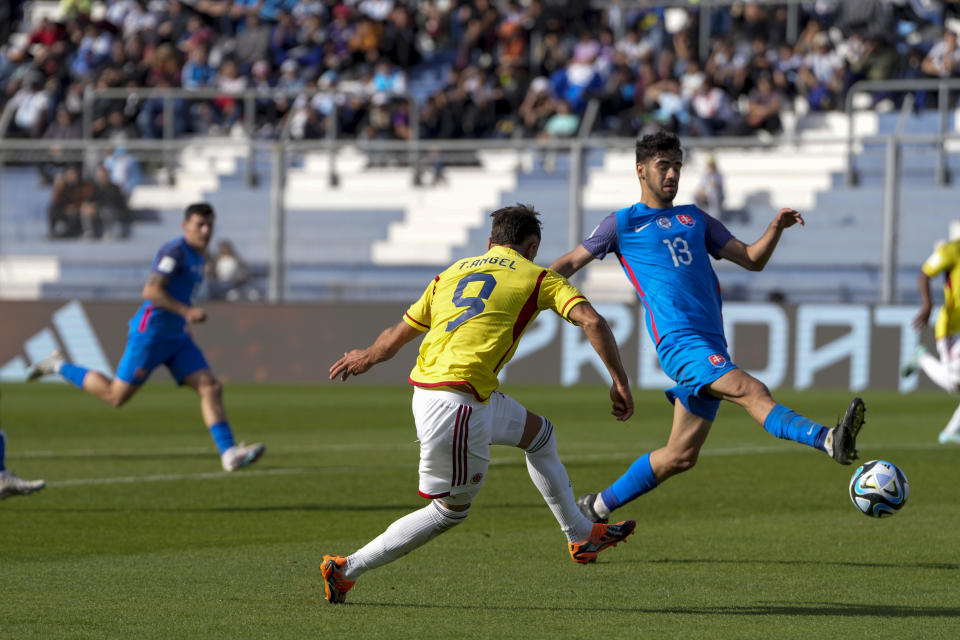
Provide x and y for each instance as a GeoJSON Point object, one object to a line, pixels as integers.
{"type": "Point", "coordinates": [11, 485]}
{"type": "Point", "coordinates": [241, 455]}
{"type": "Point", "coordinates": [913, 364]}
{"type": "Point", "coordinates": [46, 367]}
{"type": "Point", "coordinates": [949, 438]}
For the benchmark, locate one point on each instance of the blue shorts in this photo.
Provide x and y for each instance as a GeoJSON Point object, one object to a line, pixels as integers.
{"type": "Point", "coordinates": [694, 361]}
{"type": "Point", "coordinates": [144, 353]}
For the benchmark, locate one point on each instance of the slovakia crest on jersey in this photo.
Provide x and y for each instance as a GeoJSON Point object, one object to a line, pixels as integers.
{"type": "Point", "coordinates": [664, 222]}
{"type": "Point", "coordinates": [717, 360]}
{"type": "Point", "coordinates": [685, 220]}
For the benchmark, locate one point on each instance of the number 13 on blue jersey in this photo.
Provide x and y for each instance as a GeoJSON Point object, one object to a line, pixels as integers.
{"type": "Point", "coordinates": [679, 251]}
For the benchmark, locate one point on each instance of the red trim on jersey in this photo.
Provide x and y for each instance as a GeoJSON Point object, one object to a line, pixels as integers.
{"type": "Point", "coordinates": [145, 318]}
{"type": "Point", "coordinates": [433, 496]}
{"type": "Point", "coordinates": [435, 281]}
{"type": "Point", "coordinates": [414, 321]}
{"type": "Point", "coordinates": [526, 314]}
{"type": "Point", "coordinates": [569, 301]}
{"type": "Point", "coordinates": [452, 383]}
{"type": "Point", "coordinates": [643, 297]}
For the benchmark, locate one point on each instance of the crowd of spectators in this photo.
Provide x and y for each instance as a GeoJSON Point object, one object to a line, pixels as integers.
{"type": "Point", "coordinates": [479, 68]}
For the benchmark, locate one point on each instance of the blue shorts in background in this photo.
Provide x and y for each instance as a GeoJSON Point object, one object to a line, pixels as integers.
{"type": "Point", "coordinates": [694, 361]}
{"type": "Point", "coordinates": [144, 353]}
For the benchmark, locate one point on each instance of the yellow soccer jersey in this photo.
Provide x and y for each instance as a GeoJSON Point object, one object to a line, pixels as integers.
{"type": "Point", "coordinates": [946, 259]}
{"type": "Point", "coordinates": [474, 314]}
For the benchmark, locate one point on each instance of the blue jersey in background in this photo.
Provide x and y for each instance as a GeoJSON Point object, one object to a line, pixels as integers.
{"type": "Point", "coordinates": [182, 267]}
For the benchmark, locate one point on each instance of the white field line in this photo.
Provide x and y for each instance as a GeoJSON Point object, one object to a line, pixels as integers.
{"type": "Point", "coordinates": [168, 477]}
{"type": "Point", "coordinates": [615, 447]}
{"type": "Point", "coordinates": [495, 461]}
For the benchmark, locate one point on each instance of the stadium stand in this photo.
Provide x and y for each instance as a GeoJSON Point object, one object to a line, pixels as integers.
{"type": "Point", "coordinates": [467, 67]}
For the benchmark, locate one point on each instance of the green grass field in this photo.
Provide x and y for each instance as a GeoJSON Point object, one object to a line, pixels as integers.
{"type": "Point", "coordinates": [140, 535]}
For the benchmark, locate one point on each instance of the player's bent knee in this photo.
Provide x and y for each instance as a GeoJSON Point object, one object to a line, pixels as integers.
{"type": "Point", "coordinates": [457, 502]}
{"type": "Point", "coordinates": [211, 388]}
{"type": "Point", "coordinates": [750, 389]}
{"type": "Point", "coordinates": [544, 443]}
{"type": "Point", "coordinates": [759, 389]}
{"type": "Point", "coordinates": [118, 398]}
{"type": "Point", "coordinates": [682, 461]}
{"type": "Point", "coordinates": [450, 514]}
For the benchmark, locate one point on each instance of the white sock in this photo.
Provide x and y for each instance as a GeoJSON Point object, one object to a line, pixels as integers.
{"type": "Point", "coordinates": [403, 536]}
{"type": "Point", "coordinates": [601, 507]}
{"type": "Point", "coordinates": [550, 477]}
{"type": "Point", "coordinates": [937, 372]}
{"type": "Point", "coordinates": [828, 441]}
{"type": "Point", "coordinates": [954, 425]}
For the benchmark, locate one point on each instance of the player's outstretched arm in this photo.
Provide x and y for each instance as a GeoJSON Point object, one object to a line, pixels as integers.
{"type": "Point", "coordinates": [603, 342]}
{"type": "Point", "coordinates": [755, 256]}
{"type": "Point", "coordinates": [387, 344]}
{"type": "Point", "coordinates": [155, 292]}
{"type": "Point", "coordinates": [569, 263]}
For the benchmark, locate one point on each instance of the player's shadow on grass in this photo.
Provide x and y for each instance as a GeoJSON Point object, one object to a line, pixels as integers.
{"type": "Point", "coordinates": [817, 609]}
{"type": "Point", "coordinates": [813, 609]}
{"type": "Point", "coordinates": [316, 507]}
{"type": "Point", "coordinates": [239, 508]}
{"type": "Point", "coordinates": [132, 455]}
{"type": "Point", "coordinates": [945, 566]}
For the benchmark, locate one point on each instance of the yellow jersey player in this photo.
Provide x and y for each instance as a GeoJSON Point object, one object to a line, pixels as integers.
{"type": "Point", "coordinates": [945, 371]}
{"type": "Point", "coordinates": [473, 315]}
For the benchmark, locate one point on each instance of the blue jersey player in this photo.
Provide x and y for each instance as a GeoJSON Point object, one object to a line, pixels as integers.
{"type": "Point", "coordinates": [665, 253]}
{"type": "Point", "coordinates": [158, 335]}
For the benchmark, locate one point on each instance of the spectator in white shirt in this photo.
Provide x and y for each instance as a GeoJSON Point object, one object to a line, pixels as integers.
{"type": "Point", "coordinates": [943, 59]}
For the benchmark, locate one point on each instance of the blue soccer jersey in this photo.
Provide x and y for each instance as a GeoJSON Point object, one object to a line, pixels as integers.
{"type": "Point", "coordinates": [182, 267]}
{"type": "Point", "coordinates": [665, 254]}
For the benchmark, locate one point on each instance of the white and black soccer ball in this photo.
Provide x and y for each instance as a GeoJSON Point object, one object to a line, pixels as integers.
{"type": "Point", "coordinates": [879, 488]}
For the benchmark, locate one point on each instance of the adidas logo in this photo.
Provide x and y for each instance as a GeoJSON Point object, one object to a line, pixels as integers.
{"type": "Point", "coordinates": [80, 344]}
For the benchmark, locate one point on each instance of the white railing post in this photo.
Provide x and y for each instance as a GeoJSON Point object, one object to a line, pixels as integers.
{"type": "Point", "coordinates": [891, 217]}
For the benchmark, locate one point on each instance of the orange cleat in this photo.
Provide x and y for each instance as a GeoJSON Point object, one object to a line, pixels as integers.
{"type": "Point", "coordinates": [335, 585]}
{"type": "Point", "coordinates": [602, 537]}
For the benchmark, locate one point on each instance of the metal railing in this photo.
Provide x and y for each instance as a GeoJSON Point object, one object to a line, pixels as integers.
{"type": "Point", "coordinates": [943, 87]}
{"type": "Point", "coordinates": [249, 98]}
{"type": "Point", "coordinates": [577, 147]}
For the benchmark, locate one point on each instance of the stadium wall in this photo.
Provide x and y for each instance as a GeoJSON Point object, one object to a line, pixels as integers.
{"type": "Point", "coordinates": [793, 346]}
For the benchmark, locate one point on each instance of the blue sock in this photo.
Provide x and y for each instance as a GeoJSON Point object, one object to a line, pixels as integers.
{"type": "Point", "coordinates": [73, 373]}
{"type": "Point", "coordinates": [222, 435]}
{"type": "Point", "coordinates": [3, 449]}
{"type": "Point", "coordinates": [790, 425]}
{"type": "Point", "coordinates": [634, 483]}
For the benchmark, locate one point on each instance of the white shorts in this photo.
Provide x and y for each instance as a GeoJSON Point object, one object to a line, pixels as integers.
{"type": "Point", "coordinates": [455, 432]}
{"type": "Point", "coordinates": [949, 350]}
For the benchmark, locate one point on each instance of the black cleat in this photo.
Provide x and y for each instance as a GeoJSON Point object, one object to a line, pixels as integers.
{"type": "Point", "coordinates": [585, 504]}
{"type": "Point", "coordinates": [845, 434]}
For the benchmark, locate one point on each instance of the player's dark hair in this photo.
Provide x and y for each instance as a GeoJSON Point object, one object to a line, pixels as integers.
{"type": "Point", "coordinates": [198, 209]}
{"type": "Point", "coordinates": [653, 144]}
{"type": "Point", "coordinates": [512, 225]}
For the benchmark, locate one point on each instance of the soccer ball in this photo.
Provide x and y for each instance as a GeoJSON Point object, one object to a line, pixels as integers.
{"type": "Point", "coordinates": [878, 488]}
